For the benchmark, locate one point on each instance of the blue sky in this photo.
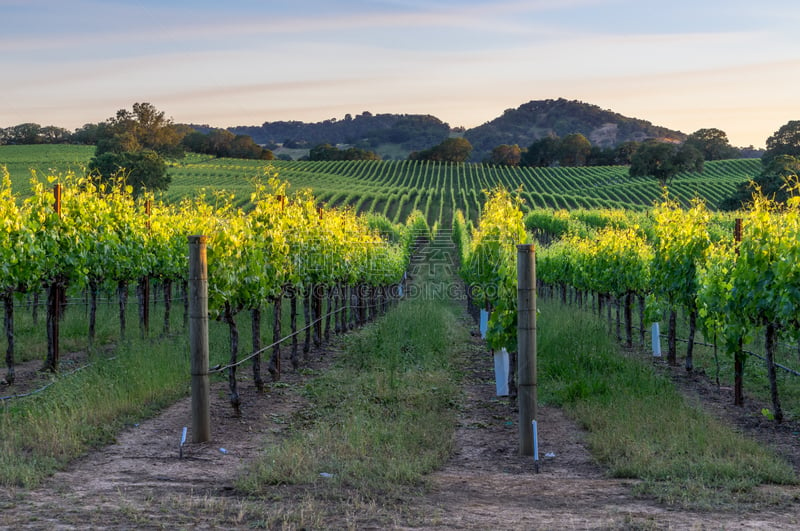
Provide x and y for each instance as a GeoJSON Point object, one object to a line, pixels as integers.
{"type": "Point", "coordinates": [686, 65]}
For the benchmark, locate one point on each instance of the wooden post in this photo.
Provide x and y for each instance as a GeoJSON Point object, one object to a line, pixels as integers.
{"type": "Point", "coordinates": [58, 292]}
{"type": "Point", "coordinates": [738, 356]}
{"type": "Point", "coordinates": [148, 206]}
{"type": "Point", "coordinates": [198, 338]}
{"type": "Point", "coordinates": [526, 345]}
{"type": "Point", "coordinates": [54, 296]}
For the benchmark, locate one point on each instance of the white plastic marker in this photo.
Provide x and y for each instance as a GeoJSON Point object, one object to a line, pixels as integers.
{"type": "Point", "coordinates": [501, 372]}
{"type": "Point", "coordinates": [183, 441]}
{"type": "Point", "coordinates": [656, 336]}
{"type": "Point", "coordinates": [535, 447]}
{"type": "Point", "coordinates": [484, 323]}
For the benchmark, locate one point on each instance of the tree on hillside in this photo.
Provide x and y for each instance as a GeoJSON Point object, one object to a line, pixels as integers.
{"type": "Point", "coordinates": [505, 155]}
{"type": "Point", "coordinates": [143, 128]}
{"type": "Point", "coordinates": [601, 157]}
{"type": "Point", "coordinates": [573, 150]}
{"type": "Point", "coordinates": [624, 152]}
{"type": "Point", "coordinates": [774, 182]}
{"type": "Point", "coordinates": [713, 144]}
{"type": "Point", "coordinates": [664, 161]}
{"type": "Point", "coordinates": [542, 153]}
{"type": "Point", "coordinates": [451, 150]}
{"type": "Point", "coordinates": [223, 143]}
{"type": "Point", "coordinates": [329, 152]}
{"type": "Point", "coordinates": [143, 170]}
{"type": "Point", "coordinates": [785, 141]}
{"type": "Point", "coordinates": [131, 145]}
{"type": "Point", "coordinates": [32, 133]}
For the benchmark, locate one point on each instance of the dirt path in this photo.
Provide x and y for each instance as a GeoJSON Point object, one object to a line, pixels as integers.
{"type": "Point", "coordinates": [486, 485]}
{"type": "Point", "coordinates": [141, 482]}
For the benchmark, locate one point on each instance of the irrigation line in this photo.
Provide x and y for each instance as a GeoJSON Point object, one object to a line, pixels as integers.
{"type": "Point", "coordinates": [105, 301]}
{"type": "Point", "coordinates": [219, 369]}
{"type": "Point", "coordinates": [278, 342]}
{"type": "Point", "coordinates": [216, 369]}
{"type": "Point", "coordinates": [37, 391]}
{"type": "Point", "coordinates": [748, 352]}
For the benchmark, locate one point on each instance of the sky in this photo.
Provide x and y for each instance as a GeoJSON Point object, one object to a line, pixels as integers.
{"type": "Point", "coordinates": [683, 64]}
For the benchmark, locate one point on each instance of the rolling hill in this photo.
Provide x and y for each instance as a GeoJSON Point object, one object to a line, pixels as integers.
{"type": "Point", "coordinates": [394, 136]}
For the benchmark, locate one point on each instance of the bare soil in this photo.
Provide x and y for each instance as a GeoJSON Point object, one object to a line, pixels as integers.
{"type": "Point", "coordinates": [143, 482]}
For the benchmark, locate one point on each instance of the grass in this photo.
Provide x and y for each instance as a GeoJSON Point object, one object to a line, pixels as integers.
{"type": "Point", "coordinates": [641, 427]}
{"type": "Point", "coordinates": [383, 416]}
{"type": "Point", "coordinates": [756, 381]}
{"type": "Point", "coordinates": [40, 434]}
{"type": "Point", "coordinates": [44, 159]}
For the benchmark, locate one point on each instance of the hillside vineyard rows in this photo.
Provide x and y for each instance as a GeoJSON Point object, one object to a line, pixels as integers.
{"type": "Point", "coordinates": [600, 219]}
{"type": "Point", "coordinates": [396, 188]}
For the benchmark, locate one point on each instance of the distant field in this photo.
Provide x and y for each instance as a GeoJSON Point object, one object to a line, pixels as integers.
{"type": "Point", "coordinates": [44, 159]}
{"type": "Point", "coordinates": [395, 188]}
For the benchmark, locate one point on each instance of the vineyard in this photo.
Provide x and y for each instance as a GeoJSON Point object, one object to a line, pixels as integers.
{"type": "Point", "coordinates": [317, 249]}
{"type": "Point", "coordinates": [734, 279]}
{"type": "Point", "coordinates": [81, 240]}
{"type": "Point", "coordinates": [396, 188]}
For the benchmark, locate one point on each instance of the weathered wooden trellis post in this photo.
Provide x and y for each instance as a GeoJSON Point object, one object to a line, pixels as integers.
{"type": "Point", "coordinates": [54, 300]}
{"type": "Point", "coordinates": [198, 338]}
{"type": "Point", "coordinates": [145, 280]}
{"type": "Point", "coordinates": [526, 346]}
{"type": "Point", "coordinates": [738, 357]}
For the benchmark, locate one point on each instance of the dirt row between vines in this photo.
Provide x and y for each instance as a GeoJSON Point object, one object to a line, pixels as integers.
{"type": "Point", "coordinates": [142, 482]}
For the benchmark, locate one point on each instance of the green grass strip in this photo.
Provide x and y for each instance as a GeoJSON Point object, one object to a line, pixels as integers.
{"type": "Point", "coordinates": [640, 426]}
{"type": "Point", "coordinates": [41, 433]}
{"type": "Point", "coordinates": [384, 415]}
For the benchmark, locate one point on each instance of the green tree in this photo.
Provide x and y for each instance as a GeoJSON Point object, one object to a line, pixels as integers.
{"type": "Point", "coordinates": [196, 142]}
{"type": "Point", "coordinates": [542, 153]}
{"type": "Point", "coordinates": [772, 183]}
{"type": "Point", "coordinates": [574, 150]}
{"type": "Point", "coordinates": [27, 133]}
{"type": "Point", "coordinates": [506, 155]}
{"type": "Point", "coordinates": [601, 156]}
{"type": "Point", "coordinates": [143, 170]}
{"type": "Point", "coordinates": [323, 152]}
{"type": "Point", "coordinates": [143, 128]}
{"type": "Point", "coordinates": [88, 134]}
{"type": "Point", "coordinates": [713, 144]}
{"type": "Point", "coordinates": [329, 152]}
{"type": "Point", "coordinates": [785, 141]}
{"type": "Point", "coordinates": [664, 161]}
{"type": "Point", "coordinates": [624, 152]}
{"type": "Point", "coordinates": [51, 134]}
{"type": "Point", "coordinates": [451, 150]}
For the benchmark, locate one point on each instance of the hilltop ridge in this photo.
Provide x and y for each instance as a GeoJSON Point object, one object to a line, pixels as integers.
{"type": "Point", "coordinates": [396, 135]}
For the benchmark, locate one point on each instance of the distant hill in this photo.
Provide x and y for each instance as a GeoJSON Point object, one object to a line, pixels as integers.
{"type": "Point", "coordinates": [538, 119]}
{"type": "Point", "coordinates": [396, 135]}
{"type": "Point", "coordinates": [408, 132]}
